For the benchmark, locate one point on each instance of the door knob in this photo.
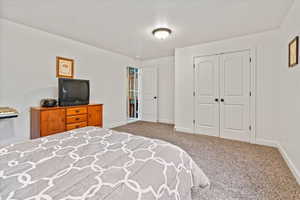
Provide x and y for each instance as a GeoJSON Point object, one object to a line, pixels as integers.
{"type": "Point", "coordinates": [154, 97]}
{"type": "Point", "coordinates": [216, 100]}
{"type": "Point", "coordinates": [222, 100]}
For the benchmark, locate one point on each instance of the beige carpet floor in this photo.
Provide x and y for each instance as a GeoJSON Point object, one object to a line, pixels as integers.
{"type": "Point", "coordinates": [237, 170]}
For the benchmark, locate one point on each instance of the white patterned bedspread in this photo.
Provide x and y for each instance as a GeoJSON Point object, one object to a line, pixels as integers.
{"type": "Point", "coordinates": [94, 164]}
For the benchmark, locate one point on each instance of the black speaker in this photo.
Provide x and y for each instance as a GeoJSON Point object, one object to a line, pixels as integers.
{"type": "Point", "coordinates": [48, 102]}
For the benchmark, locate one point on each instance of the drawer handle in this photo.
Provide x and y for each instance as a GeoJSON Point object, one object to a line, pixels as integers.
{"type": "Point", "coordinates": [77, 111]}
{"type": "Point", "coordinates": [77, 126]}
{"type": "Point", "coordinates": [77, 119]}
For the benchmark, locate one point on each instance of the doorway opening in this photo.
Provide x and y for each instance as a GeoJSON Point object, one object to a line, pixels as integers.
{"type": "Point", "coordinates": [133, 102]}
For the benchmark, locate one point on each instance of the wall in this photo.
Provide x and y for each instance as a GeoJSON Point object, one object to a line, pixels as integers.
{"type": "Point", "coordinates": [166, 70]}
{"type": "Point", "coordinates": [27, 64]}
{"type": "Point", "coordinates": [289, 93]}
{"type": "Point", "coordinates": [267, 51]}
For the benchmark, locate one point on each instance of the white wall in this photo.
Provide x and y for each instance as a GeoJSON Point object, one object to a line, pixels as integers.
{"type": "Point", "coordinates": [28, 74]}
{"type": "Point", "coordinates": [267, 52]}
{"type": "Point", "coordinates": [166, 70]}
{"type": "Point", "coordinates": [289, 93]}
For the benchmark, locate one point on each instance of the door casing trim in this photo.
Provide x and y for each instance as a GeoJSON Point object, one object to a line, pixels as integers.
{"type": "Point", "coordinates": [253, 81]}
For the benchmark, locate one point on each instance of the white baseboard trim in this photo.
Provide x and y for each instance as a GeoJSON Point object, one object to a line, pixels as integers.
{"type": "Point", "coordinates": [13, 140]}
{"type": "Point", "coordinates": [185, 130]}
{"type": "Point", "coordinates": [166, 121]}
{"type": "Point", "coordinates": [269, 143]}
{"type": "Point", "coordinates": [290, 163]}
{"type": "Point", "coordinates": [133, 121]}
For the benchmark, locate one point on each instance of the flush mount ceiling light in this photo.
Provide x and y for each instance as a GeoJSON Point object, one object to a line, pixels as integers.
{"type": "Point", "coordinates": [161, 33]}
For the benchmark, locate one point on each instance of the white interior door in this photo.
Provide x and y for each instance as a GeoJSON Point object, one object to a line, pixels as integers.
{"type": "Point", "coordinates": [206, 95]}
{"type": "Point", "coordinates": [235, 96]}
{"type": "Point", "coordinates": [149, 94]}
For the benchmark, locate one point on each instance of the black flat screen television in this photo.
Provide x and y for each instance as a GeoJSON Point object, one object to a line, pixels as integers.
{"type": "Point", "coordinates": [73, 92]}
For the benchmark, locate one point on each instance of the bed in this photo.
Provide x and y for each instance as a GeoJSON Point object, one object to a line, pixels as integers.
{"type": "Point", "coordinates": [93, 164]}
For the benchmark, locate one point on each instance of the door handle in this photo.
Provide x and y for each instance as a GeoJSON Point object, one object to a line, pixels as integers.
{"type": "Point", "coordinates": [216, 100]}
{"type": "Point", "coordinates": [154, 97]}
{"type": "Point", "coordinates": [222, 100]}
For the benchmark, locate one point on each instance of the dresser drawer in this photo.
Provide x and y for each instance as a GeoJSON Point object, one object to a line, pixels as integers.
{"type": "Point", "coordinates": [76, 118]}
{"type": "Point", "coordinates": [76, 111]}
{"type": "Point", "coordinates": [76, 125]}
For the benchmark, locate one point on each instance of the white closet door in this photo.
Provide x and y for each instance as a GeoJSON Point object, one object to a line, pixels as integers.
{"type": "Point", "coordinates": [149, 94]}
{"type": "Point", "coordinates": [235, 96]}
{"type": "Point", "coordinates": [206, 94]}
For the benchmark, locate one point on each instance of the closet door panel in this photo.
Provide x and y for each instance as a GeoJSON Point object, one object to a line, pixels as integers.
{"type": "Point", "coordinates": [206, 93]}
{"type": "Point", "coordinates": [234, 95]}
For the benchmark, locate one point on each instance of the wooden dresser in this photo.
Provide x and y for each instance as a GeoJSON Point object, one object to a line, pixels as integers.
{"type": "Point", "coordinates": [48, 121]}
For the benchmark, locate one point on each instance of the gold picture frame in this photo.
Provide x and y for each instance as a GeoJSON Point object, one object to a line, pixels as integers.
{"type": "Point", "coordinates": [294, 52]}
{"type": "Point", "coordinates": [64, 67]}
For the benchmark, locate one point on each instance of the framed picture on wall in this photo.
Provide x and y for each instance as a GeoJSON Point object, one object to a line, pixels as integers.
{"type": "Point", "coordinates": [64, 67]}
{"type": "Point", "coordinates": [294, 52]}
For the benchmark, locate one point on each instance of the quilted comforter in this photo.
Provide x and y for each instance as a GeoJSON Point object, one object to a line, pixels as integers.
{"type": "Point", "coordinates": [94, 164]}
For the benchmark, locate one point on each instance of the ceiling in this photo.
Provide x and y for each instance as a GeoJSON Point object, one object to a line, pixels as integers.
{"type": "Point", "coordinates": [125, 26]}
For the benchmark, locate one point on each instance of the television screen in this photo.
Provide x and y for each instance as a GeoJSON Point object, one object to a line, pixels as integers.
{"type": "Point", "coordinates": [73, 92]}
